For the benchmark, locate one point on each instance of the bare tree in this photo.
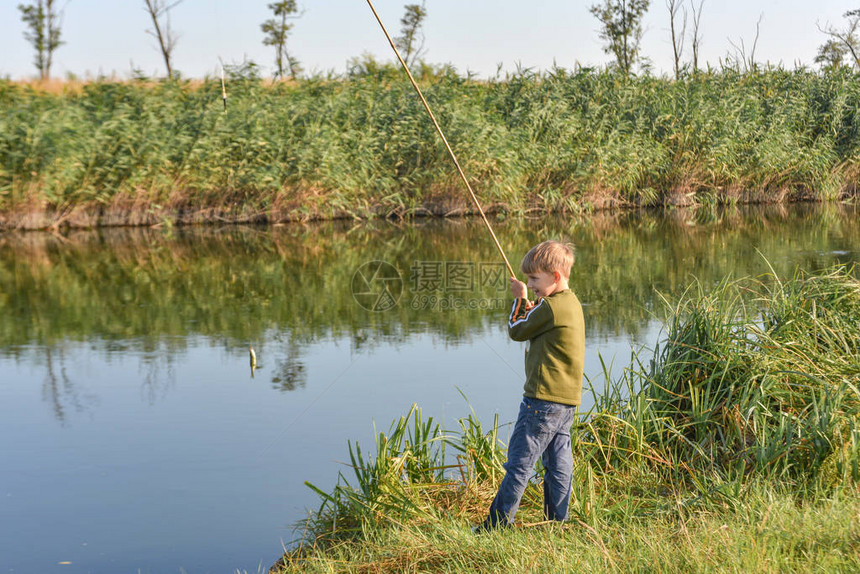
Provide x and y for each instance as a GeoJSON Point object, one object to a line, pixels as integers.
{"type": "Point", "coordinates": [411, 39]}
{"type": "Point", "coordinates": [847, 38]}
{"type": "Point", "coordinates": [696, 39]}
{"type": "Point", "coordinates": [740, 50]}
{"type": "Point", "coordinates": [43, 32]}
{"type": "Point", "coordinates": [675, 6]}
{"type": "Point", "coordinates": [159, 11]}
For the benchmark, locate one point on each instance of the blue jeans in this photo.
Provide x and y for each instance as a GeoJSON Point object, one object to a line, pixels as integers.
{"type": "Point", "coordinates": [542, 429]}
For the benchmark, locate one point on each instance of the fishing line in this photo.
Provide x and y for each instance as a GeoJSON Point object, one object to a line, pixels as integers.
{"type": "Point", "coordinates": [444, 139]}
{"type": "Point", "coordinates": [501, 358]}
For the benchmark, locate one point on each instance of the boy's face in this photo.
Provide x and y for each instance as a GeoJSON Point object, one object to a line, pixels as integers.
{"type": "Point", "coordinates": [544, 283]}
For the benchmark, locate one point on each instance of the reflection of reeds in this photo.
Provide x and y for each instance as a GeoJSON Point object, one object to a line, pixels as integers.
{"type": "Point", "coordinates": [145, 153]}
{"type": "Point", "coordinates": [238, 285]}
{"type": "Point", "coordinates": [748, 401]}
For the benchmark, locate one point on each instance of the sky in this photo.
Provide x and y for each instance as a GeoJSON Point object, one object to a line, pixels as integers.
{"type": "Point", "coordinates": [108, 38]}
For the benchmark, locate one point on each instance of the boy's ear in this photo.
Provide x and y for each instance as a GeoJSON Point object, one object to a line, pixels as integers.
{"type": "Point", "coordinates": [557, 275]}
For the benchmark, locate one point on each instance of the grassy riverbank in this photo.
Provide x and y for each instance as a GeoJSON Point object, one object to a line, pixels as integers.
{"type": "Point", "coordinates": [737, 448]}
{"type": "Point", "coordinates": [142, 152]}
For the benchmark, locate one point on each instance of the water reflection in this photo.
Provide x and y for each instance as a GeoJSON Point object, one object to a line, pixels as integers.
{"type": "Point", "coordinates": [57, 388]}
{"type": "Point", "coordinates": [290, 372]}
{"type": "Point", "coordinates": [147, 291]}
{"type": "Point", "coordinates": [157, 373]}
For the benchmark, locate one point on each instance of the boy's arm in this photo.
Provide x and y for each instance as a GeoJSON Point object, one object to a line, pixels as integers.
{"type": "Point", "coordinates": [528, 320]}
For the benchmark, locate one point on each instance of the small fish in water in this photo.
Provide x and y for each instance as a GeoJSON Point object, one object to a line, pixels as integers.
{"type": "Point", "coordinates": [253, 360]}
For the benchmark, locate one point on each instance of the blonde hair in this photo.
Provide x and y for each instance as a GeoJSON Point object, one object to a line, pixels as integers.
{"type": "Point", "coordinates": [549, 256]}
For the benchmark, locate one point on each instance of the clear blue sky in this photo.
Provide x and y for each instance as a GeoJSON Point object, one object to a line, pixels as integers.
{"type": "Point", "coordinates": [107, 37]}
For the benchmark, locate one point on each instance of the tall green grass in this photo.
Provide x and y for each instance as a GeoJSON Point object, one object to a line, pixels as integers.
{"type": "Point", "coordinates": [743, 428]}
{"type": "Point", "coordinates": [754, 378]}
{"type": "Point", "coordinates": [361, 145]}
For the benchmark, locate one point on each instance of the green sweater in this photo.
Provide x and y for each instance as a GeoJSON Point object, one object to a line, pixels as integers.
{"type": "Point", "coordinates": [555, 331]}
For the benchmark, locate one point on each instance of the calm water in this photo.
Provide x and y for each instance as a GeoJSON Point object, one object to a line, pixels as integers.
{"type": "Point", "coordinates": [134, 438]}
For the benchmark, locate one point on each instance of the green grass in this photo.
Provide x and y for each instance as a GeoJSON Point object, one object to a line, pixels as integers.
{"type": "Point", "coordinates": [736, 448]}
{"type": "Point", "coordinates": [770, 533]}
{"type": "Point", "coordinates": [359, 146]}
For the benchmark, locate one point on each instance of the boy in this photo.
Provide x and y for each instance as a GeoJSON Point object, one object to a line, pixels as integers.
{"type": "Point", "coordinates": [555, 331]}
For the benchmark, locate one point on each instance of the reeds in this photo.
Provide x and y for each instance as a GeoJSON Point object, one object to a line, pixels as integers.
{"type": "Point", "coordinates": [143, 152]}
{"type": "Point", "coordinates": [754, 377]}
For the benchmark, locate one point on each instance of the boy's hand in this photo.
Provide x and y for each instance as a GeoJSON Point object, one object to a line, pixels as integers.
{"type": "Point", "coordinates": [519, 289]}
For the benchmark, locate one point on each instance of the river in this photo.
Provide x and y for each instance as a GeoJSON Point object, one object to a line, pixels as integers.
{"type": "Point", "coordinates": [135, 437]}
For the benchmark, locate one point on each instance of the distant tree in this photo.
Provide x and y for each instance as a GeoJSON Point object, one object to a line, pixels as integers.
{"type": "Point", "coordinates": [846, 39]}
{"type": "Point", "coordinates": [675, 6]}
{"type": "Point", "coordinates": [277, 30]}
{"type": "Point", "coordinates": [43, 32]}
{"type": "Point", "coordinates": [622, 29]}
{"type": "Point", "coordinates": [831, 55]}
{"type": "Point", "coordinates": [159, 11]}
{"type": "Point", "coordinates": [411, 39]}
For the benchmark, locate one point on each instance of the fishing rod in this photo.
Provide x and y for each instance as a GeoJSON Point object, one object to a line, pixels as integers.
{"type": "Point", "coordinates": [444, 139]}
